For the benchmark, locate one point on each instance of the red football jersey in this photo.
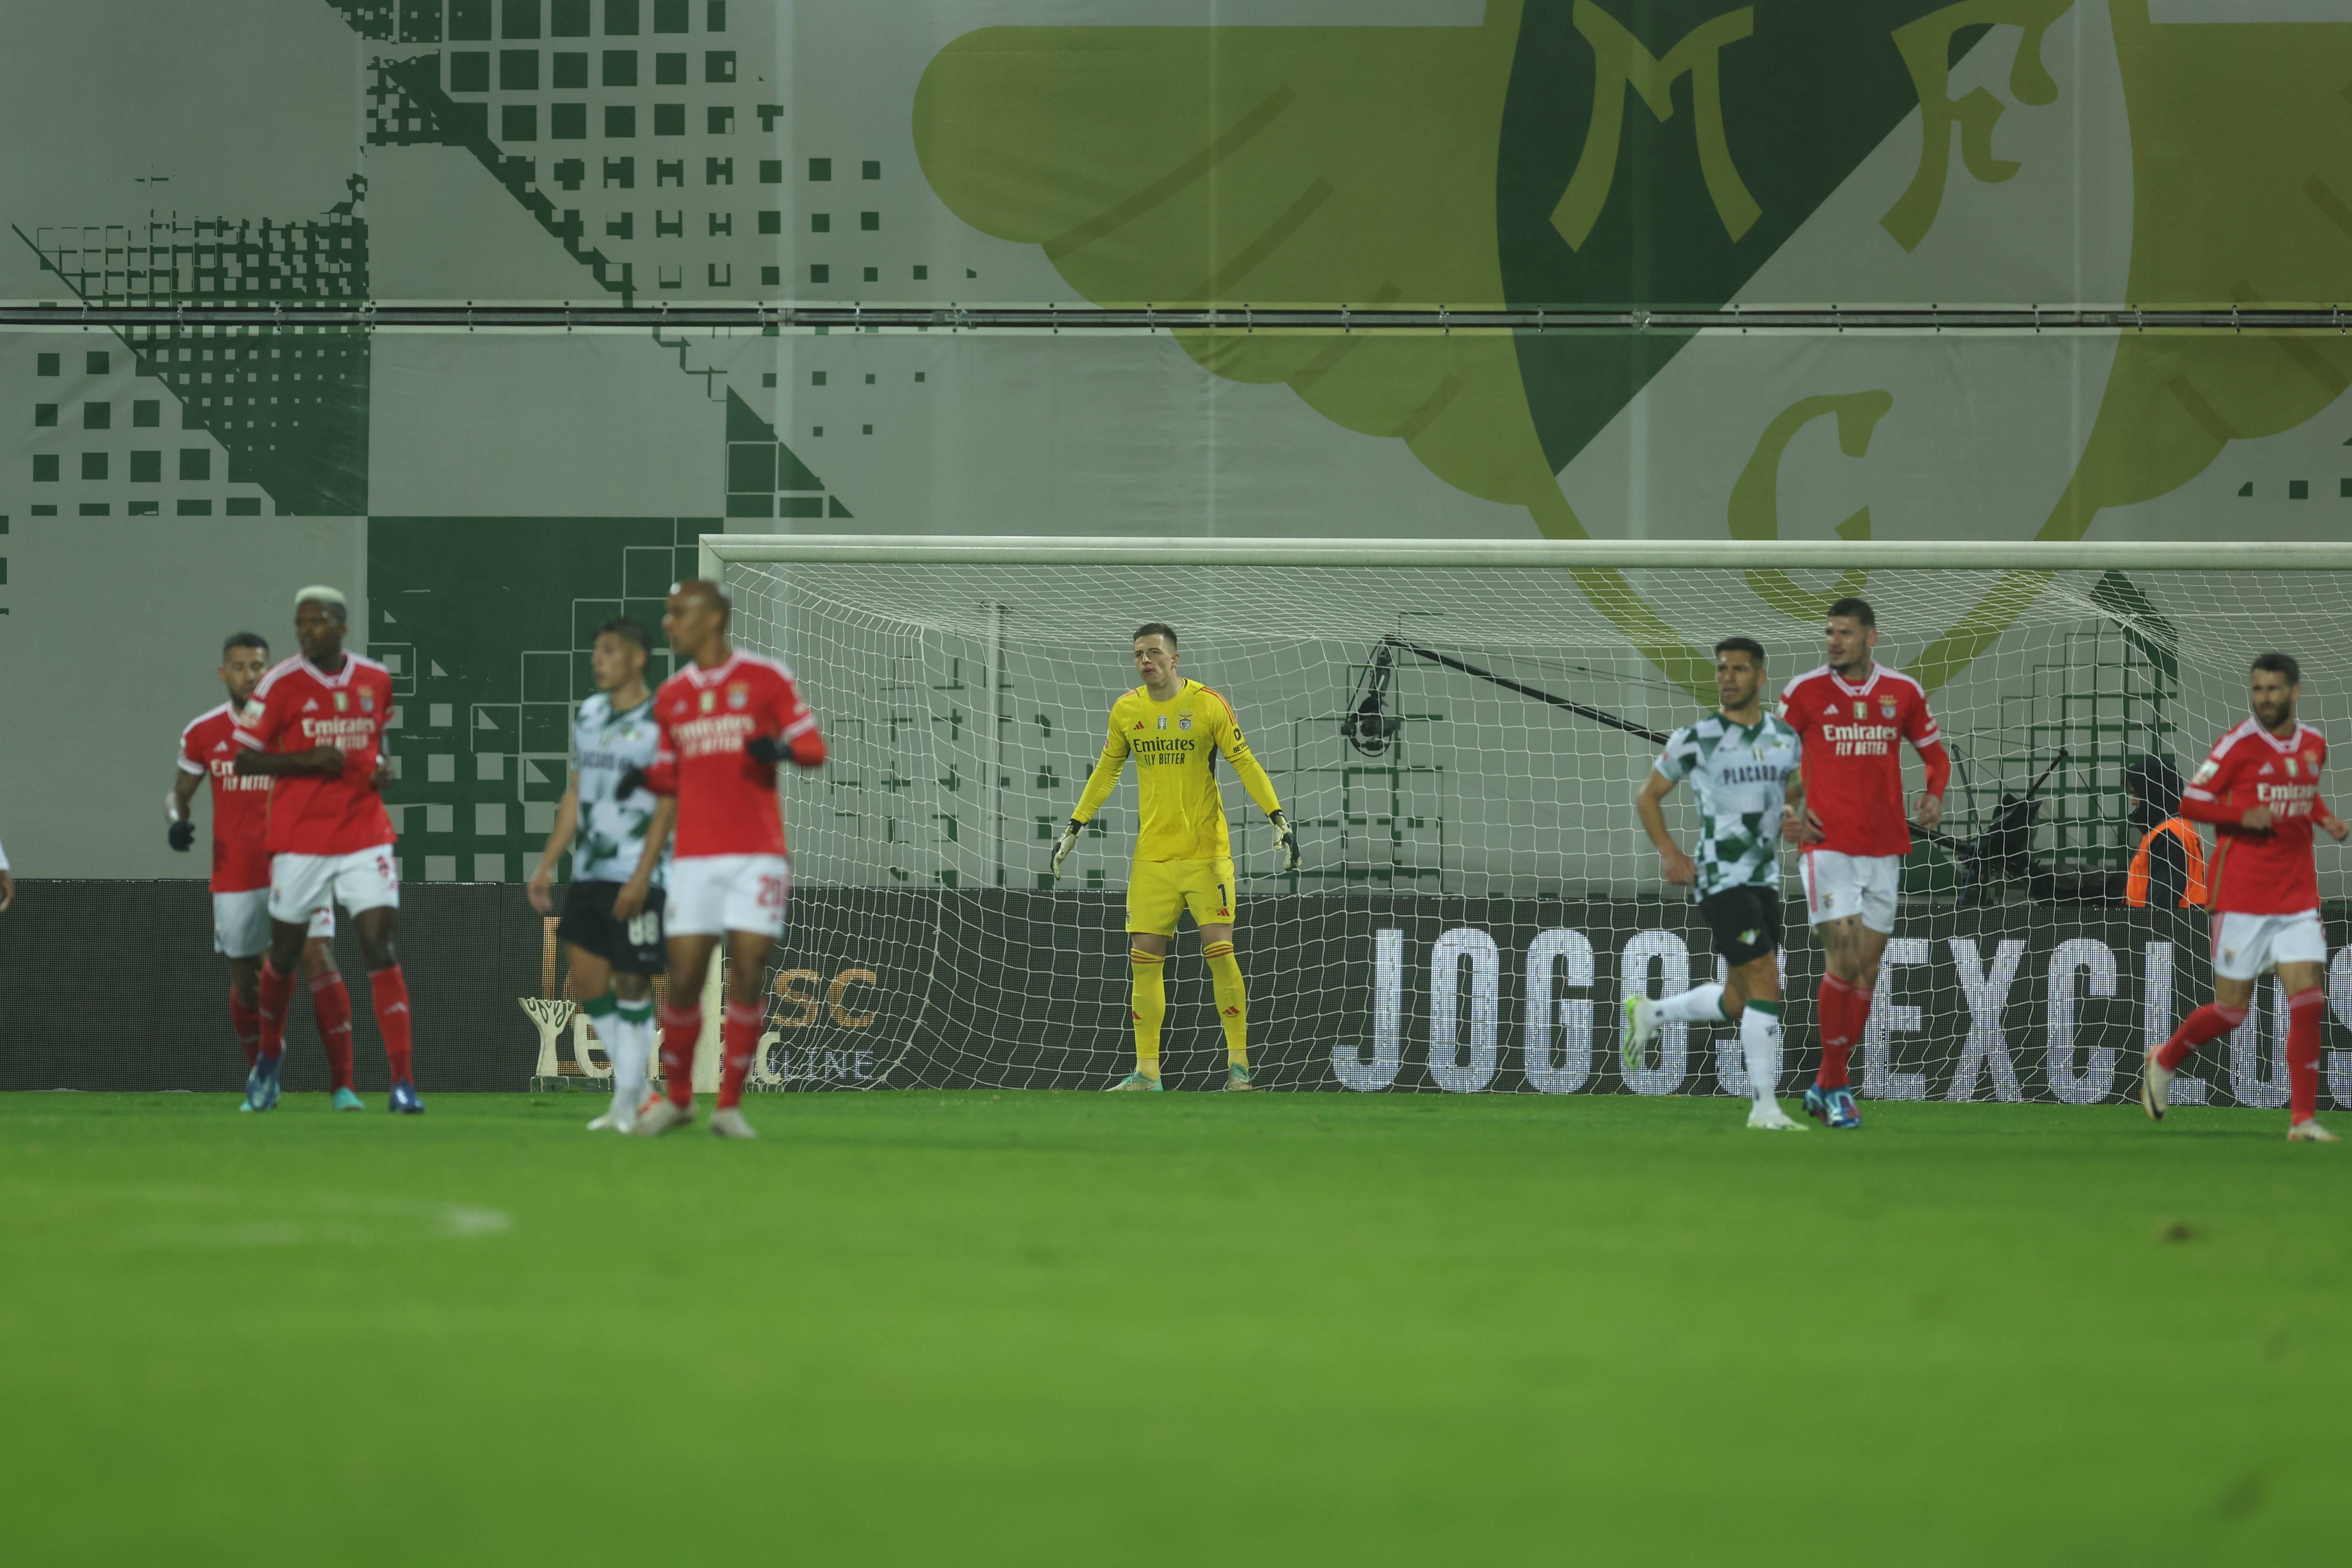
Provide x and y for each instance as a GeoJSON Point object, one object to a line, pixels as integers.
{"type": "Point", "coordinates": [1853, 772]}
{"type": "Point", "coordinates": [727, 800]}
{"type": "Point", "coordinates": [298, 707]}
{"type": "Point", "coordinates": [2273, 871]}
{"type": "Point", "coordinates": [240, 801]}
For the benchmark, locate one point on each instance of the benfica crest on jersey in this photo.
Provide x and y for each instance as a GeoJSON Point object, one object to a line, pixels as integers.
{"type": "Point", "coordinates": [367, 699]}
{"type": "Point", "coordinates": [739, 694]}
{"type": "Point", "coordinates": [1886, 708]}
{"type": "Point", "coordinates": [1183, 720]}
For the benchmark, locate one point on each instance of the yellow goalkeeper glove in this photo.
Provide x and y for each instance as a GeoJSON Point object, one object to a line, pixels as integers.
{"type": "Point", "coordinates": [1063, 842]}
{"type": "Point", "coordinates": [1285, 840]}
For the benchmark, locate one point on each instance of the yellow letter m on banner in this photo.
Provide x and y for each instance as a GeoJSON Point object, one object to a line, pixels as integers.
{"type": "Point", "coordinates": [1619, 60]}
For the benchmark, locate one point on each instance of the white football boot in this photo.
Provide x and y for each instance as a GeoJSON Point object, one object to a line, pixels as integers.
{"type": "Point", "coordinates": [2155, 1089]}
{"type": "Point", "coordinates": [2309, 1130]}
{"type": "Point", "coordinates": [1766, 1116]}
{"type": "Point", "coordinates": [730, 1123]}
{"type": "Point", "coordinates": [659, 1116]}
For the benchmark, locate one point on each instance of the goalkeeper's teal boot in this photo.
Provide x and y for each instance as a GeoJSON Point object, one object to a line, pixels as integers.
{"type": "Point", "coordinates": [1136, 1083]}
{"type": "Point", "coordinates": [1237, 1078]}
{"type": "Point", "coordinates": [346, 1100]}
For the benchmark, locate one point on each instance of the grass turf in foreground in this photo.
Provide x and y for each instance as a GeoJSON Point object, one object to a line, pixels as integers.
{"type": "Point", "coordinates": [983, 1329]}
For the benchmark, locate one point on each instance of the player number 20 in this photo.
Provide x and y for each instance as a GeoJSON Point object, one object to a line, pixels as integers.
{"type": "Point", "coordinates": [771, 892]}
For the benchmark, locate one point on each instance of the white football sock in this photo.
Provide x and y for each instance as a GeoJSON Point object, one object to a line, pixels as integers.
{"type": "Point", "coordinates": [1704, 1006]}
{"type": "Point", "coordinates": [1760, 1039]}
{"type": "Point", "coordinates": [630, 1052]}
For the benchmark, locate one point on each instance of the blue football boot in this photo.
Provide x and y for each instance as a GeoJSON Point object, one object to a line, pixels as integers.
{"type": "Point", "coordinates": [403, 1100]}
{"type": "Point", "coordinates": [1817, 1103]}
{"type": "Point", "coordinates": [346, 1100]}
{"type": "Point", "coordinates": [261, 1084]}
{"type": "Point", "coordinates": [1843, 1116]}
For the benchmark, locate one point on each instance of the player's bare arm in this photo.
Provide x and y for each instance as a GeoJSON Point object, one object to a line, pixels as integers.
{"type": "Point", "coordinates": [1798, 826]}
{"type": "Point", "coordinates": [324, 761]}
{"type": "Point", "coordinates": [1648, 804]}
{"type": "Point", "coordinates": [182, 832]}
{"type": "Point", "coordinates": [1928, 811]}
{"type": "Point", "coordinates": [631, 899]}
{"type": "Point", "coordinates": [559, 840]}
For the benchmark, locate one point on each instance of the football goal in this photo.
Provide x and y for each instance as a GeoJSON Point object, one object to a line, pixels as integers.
{"type": "Point", "coordinates": [1456, 731]}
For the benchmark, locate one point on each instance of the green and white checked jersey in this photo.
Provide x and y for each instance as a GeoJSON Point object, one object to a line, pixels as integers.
{"type": "Point", "coordinates": [612, 833]}
{"type": "Point", "coordinates": [1740, 775]}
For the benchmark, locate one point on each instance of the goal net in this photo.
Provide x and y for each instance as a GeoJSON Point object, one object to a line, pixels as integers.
{"type": "Point", "coordinates": [1457, 733]}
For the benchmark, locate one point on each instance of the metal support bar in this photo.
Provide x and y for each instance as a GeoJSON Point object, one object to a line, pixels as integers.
{"type": "Point", "coordinates": [1554, 555]}
{"type": "Point", "coordinates": [1334, 317]}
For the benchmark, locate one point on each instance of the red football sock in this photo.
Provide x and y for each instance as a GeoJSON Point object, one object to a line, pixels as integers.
{"type": "Point", "coordinates": [1842, 1011]}
{"type": "Point", "coordinates": [389, 989]}
{"type": "Point", "coordinates": [739, 1041]}
{"type": "Point", "coordinates": [2210, 1022]}
{"type": "Point", "coordinates": [245, 1017]}
{"type": "Point", "coordinates": [681, 1030]}
{"type": "Point", "coordinates": [276, 992]}
{"type": "Point", "coordinates": [332, 1002]}
{"type": "Point", "coordinates": [2302, 1053]}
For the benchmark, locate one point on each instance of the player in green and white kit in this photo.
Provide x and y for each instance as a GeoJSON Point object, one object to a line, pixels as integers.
{"type": "Point", "coordinates": [612, 925]}
{"type": "Point", "coordinates": [1742, 763]}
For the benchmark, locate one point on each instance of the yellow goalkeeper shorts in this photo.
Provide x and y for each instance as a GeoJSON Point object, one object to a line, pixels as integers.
{"type": "Point", "coordinates": [1160, 891]}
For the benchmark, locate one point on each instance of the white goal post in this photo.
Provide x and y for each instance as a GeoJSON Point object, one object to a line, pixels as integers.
{"type": "Point", "coordinates": [1456, 729]}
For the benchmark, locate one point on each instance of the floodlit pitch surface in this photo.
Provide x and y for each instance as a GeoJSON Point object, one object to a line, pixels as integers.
{"type": "Point", "coordinates": [1023, 1328]}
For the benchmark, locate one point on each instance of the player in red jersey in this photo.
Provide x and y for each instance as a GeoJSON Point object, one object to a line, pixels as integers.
{"type": "Point", "coordinates": [2260, 789]}
{"type": "Point", "coordinates": [315, 727]}
{"type": "Point", "coordinates": [726, 719]}
{"type": "Point", "coordinates": [1851, 711]}
{"type": "Point", "coordinates": [241, 879]}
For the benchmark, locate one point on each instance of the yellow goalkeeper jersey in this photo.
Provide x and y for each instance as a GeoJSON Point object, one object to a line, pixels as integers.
{"type": "Point", "coordinates": [1175, 745]}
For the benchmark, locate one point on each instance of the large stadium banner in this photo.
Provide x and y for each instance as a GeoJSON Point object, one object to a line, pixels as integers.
{"type": "Point", "coordinates": [487, 496]}
{"type": "Point", "coordinates": [1365, 994]}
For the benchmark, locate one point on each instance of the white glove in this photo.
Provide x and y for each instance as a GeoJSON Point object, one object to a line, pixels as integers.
{"type": "Point", "coordinates": [1063, 842]}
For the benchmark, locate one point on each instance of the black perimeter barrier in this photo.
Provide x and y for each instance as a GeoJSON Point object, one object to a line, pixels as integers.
{"type": "Point", "coordinates": [114, 985]}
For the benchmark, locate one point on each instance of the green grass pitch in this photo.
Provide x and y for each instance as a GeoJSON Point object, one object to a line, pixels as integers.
{"type": "Point", "coordinates": [1190, 1329]}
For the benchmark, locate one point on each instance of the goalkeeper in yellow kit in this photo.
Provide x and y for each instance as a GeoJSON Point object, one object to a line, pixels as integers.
{"type": "Point", "coordinates": [1175, 730]}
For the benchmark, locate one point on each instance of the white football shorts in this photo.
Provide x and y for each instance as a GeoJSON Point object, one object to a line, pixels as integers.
{"type": "Point", "coordinates": [2246, 945]}
{"type": "Point", "coordinates": [301, 885]}
{"type": "Point", "coordinates": [241, 923]}
{"type": "Point", "coordinates": [710, 894]}
{"type": "Point", "coordinates": [1839, 885]}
